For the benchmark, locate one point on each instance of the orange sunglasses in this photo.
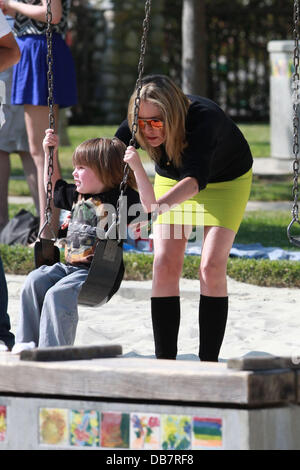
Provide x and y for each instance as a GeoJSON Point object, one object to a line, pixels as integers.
{"type": "Point", "coordinates": [154, 123]}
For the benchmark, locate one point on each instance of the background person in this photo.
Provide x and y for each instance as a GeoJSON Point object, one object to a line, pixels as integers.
{"type": "Point", "coordinates": [9, 55]}
{"type": "Point", "coordinates": [30, 87]}
{"type": "Point", "coordinates": [13, 139]}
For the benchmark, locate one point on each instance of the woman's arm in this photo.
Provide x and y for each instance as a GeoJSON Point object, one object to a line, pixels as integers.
{"type": "Point", "coordinates": [36, 12]}
{"type": "Point", "coordinates": [183, 190]}
{"type": "Point", "coordinates": [144, 185]}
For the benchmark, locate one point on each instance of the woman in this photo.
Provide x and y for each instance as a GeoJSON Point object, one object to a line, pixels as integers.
{"type": "Point", "coordinates": [201, 158]}
{"type": "Point", "coordinates": [30, 86]}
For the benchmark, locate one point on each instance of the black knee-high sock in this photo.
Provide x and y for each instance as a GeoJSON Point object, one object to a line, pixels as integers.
{"type": "Point", "coordinates": [213, 313]}
{"type": "Point", "coordinates": [165, 312]}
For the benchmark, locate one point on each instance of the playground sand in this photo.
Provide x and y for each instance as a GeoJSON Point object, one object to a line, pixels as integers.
{"type": "Point", "coordinates": [262, 320]}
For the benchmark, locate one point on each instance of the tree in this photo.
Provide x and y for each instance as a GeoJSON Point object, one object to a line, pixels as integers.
{"type": "Point", "coordinates": [194, 59]}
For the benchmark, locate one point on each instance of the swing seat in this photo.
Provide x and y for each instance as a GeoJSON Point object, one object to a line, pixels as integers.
{"type": "Point", "coordinates": [105, 274]}
{"type": "Point", "coordinates": [45, 252]}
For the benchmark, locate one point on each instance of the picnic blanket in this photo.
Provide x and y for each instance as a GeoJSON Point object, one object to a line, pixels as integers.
{"type": "Point", "coordinates": [254, 250]}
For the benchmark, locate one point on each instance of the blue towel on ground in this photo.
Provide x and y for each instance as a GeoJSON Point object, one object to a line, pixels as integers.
{"type": "Point", "coordinates": [254, 251]}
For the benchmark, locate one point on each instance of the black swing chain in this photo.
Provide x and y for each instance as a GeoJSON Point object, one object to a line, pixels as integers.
{"type": "Point", "coordinates": [296, 101]}
{"type": "Point", "coordinates": [48, 210]}
{"type": "Point", "coordinates": [138, 86]}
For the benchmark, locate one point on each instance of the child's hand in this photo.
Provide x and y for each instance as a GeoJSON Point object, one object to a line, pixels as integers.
{"type": "Point", "coordinates": [50, 140]}
{"type": "Point", "coordinates": [132, 158]}
{"type": "Point", "coordinates": [65, 223]}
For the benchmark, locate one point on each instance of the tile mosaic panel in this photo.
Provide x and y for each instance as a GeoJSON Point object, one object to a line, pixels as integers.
{"type": "Point", "coordinates": [53, 426]}
{"type": "Point", "coordinates": [144, 431]}
{"type": "Point", "coordinates": [207, 432]}
{"type": "Point", "coordinates": [115, 430]}
{"type": "Point", "coordinates": [176, 432]}
{"type": "Point", "coordinates": [61, 427]}
{"type": "Point", "coordinates": [84, 428]}
{"type": "Point", "coordinates": [3, 424]}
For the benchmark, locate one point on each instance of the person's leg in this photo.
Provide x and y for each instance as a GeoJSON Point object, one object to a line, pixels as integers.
{"type": "Point", "coordinates": [4, 179]}
{"type": "Point", "coordinates": [213, 305]}
{"type": "Point", "coordinates": [31, 177]}
{"type": "Point", "coordinates": [59, 316]}
{"type": "Point", "coordinates": [169, 251]}
{"type": "Point", "coordinates": [32, 298]}
{"type": "Point", "coordinates": [5, 334]}
{"type": "Point", "coordinates": [37, 121]}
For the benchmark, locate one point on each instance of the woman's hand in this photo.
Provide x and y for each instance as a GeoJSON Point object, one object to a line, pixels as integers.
{"type": "Point", "coordinates": [50, 140]}
{"type": "Point", "coordinates": [133, 159]}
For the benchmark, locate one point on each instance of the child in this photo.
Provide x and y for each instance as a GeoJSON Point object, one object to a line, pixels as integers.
{"type": "Point", "coordinates": [48, 311]}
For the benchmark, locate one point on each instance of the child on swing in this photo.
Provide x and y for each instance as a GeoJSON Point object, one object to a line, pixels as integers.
{"type": "Point", "coordinates": [48, 309]}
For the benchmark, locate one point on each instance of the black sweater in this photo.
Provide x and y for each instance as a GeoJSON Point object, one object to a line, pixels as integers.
{"type": "Point", "coordinates": [216, 151]}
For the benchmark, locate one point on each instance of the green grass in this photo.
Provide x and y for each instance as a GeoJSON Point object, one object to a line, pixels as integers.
{"type": "Point", "coordinates": [265, 227]}
{"type": "Point", "coordinates": [271, 188]}
{"type": "Point", "coordinates": [256, 134]}
{"type": "Point", "coordinates": [19, 260]}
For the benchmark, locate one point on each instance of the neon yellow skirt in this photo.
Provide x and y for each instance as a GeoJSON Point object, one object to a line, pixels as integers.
{"type": "Point", "coordinates": [219, 204]}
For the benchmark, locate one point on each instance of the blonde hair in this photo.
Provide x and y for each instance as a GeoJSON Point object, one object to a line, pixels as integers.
{"type": "Point", "coordinates": [105, 157]}
{"type": "Point", "coordinates": [173, 104]}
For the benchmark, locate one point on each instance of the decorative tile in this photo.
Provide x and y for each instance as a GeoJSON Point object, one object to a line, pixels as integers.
{"type": "Point", "coordinates": [176, 432]}
{"type": "Point", "coordinates": [3, 424]}
{"type": "Point", "coordinates": [115, 430]}
{"type": "Point", "coordinates": [144, 431]}
{"type": "Point", "coordinates": [84, 428]}
{"type": "Point", "coordinates": [207, 432]}
{"type": "Point", "coordinates": [53, 426]}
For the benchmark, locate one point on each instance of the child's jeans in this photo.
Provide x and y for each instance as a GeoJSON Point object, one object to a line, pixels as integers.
{"type": "Point", "coordinates": [48, 310]}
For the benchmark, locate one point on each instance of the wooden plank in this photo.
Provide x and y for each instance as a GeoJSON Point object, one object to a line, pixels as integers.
{"type": "Point", "coordinates": [71, 353]}
{"type": "Point", "coordinates": [260, 363]}
{"type": "Point", "coordinates": [148, 379]}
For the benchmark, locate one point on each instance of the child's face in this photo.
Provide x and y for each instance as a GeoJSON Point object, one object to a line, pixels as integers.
{"type": "Point", "coordinates": [87, 181]}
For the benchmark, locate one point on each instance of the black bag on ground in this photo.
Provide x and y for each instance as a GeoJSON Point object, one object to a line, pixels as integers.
{"type": "Point", "coordinates": [22, 228]}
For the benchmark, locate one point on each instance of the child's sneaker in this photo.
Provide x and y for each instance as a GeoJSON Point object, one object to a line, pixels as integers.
{"type": "Point", "coordinates": [19, 347]}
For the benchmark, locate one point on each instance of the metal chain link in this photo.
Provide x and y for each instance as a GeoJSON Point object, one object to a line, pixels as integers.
{"type": "Point", "coordinates": [296, 87]}
{"type": "Point", "coordinates": [48, 210]}
{"type": "Point", "coordinates": [138, 87]}
{"type": "Point", "coordinates": [296, 102]}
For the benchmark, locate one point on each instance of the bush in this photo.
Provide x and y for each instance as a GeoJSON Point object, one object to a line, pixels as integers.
{"type": "Point", "coordinates": [18, 259]}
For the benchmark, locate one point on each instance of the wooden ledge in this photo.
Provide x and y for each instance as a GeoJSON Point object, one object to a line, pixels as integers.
{"type": "Point", "coordinates": [148, 379]}
{"type": "Point", "coordinates": [266, 362]}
